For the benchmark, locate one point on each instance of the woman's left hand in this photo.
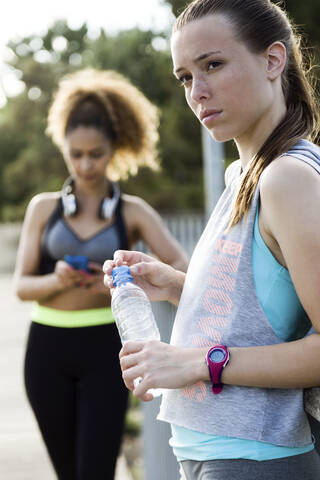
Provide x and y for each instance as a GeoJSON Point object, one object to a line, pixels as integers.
{"type": "Point", "coordinates": [94, 281]}
{"type": "Point", "coordinates": [160, 365]}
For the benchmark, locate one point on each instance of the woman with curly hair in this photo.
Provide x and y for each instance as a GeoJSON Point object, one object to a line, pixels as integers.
{"type": "Point", "coordinates": [106, 129]}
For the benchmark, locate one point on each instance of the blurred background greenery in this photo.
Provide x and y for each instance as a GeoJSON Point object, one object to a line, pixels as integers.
{"type": "Point", "coordinates": [30, 163]}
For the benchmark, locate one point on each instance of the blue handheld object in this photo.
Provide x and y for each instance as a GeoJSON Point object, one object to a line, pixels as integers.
{"type": "Point", "coordinates": [79, 262]}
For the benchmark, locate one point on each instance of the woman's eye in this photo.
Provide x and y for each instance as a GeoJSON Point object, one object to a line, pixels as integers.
{"type": "Point", "coordinates": [213, 65]}
{"type": "Point", "coordinates": [97, 154]}
{"type": "Point", "coordinates": [184, 79]}
{"type": "Point", "coordinates": [75, 155]}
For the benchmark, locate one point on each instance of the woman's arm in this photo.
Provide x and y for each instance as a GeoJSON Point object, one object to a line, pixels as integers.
{"type": "Point", "coordinates": [289, 221]}
{"type": "Point", "coordinates": [290, 199]}
{"type": "Point", "coordinates": [148, 226]}
{"type": "Point", "coordinates": [28, 284]}
{"type": "Point", "coordinates": [286, 365]}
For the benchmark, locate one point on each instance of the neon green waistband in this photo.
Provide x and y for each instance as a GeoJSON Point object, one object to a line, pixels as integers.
{"type": "Point", "coordinates": [71, 318]}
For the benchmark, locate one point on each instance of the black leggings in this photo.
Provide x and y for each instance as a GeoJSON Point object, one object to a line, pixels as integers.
{"type": "Point", "coordinates": [74, 385]}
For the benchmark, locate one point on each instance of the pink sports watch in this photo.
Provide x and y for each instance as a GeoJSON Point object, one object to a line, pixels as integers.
{"type": "Point", "coordinates": [216, 359]}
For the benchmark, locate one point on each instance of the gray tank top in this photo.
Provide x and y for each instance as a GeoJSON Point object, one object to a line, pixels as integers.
{"type": "Point", "coordinates": [219, 305]}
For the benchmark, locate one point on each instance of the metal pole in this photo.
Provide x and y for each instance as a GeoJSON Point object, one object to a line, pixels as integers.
{"type": "Point", "coordinates": [159, 461]}
{"type": "Point", "coordinates": [213, 168]}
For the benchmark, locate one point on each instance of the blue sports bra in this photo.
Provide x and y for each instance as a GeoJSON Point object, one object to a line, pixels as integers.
{"type": "Point", "coordinates": [59, 239]}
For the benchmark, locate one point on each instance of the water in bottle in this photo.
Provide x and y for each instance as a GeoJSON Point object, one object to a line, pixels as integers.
{"type": "Point", "coordinates": [132, 312]}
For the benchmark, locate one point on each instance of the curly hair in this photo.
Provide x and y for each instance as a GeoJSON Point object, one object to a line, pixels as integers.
{"type": "Point", "coordinates": [108, 101]}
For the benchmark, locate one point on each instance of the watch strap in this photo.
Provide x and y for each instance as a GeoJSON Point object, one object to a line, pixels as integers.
{"type": "Point", "coordinates": [215, 368]}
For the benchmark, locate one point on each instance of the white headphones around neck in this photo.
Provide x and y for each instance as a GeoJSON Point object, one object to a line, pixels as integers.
{"type": "Point", "coordinates": [70, 205]}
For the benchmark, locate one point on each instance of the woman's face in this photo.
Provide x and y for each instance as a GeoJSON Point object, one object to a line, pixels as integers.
{"type": "Point", "coordinates": [87, 153]}
{"type": "Point", "coordinates": [225, 84]}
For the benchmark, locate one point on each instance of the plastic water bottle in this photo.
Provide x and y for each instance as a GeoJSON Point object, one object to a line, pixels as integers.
{"type": "Point", "coordinates": [132, 312]}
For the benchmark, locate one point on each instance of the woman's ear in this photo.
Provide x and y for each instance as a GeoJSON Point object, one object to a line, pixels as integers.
{"type": "Point", "coordinates": [276, 56]}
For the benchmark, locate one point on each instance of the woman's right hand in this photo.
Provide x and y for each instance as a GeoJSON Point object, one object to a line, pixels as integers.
{"type": "Point", "coordinates": [159, 280]}
{"type": "Point", "coordinates": [68, 276]}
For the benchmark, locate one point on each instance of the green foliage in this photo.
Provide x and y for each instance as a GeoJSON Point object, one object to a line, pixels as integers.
{"type": "Point", "coordinates": [30, 163]}
{"type": "Point", "coordinates": [306, 16]}
{"type": "Point", "coordinates": [133, 421]}
{"type": "Point", "coordinates": [177, 5]}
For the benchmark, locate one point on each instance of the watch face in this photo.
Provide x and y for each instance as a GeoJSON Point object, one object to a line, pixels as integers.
{"type": "Point", "coordinates": [217, 355]}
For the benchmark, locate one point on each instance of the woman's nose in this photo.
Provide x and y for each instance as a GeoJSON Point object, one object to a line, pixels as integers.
{"type": "Point", "coordinates": [86, 163]}
{"type": "Point", "coordinates": [199, 90]}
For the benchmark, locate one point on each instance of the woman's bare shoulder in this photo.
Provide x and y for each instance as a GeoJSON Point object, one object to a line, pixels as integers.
{"type": "Point", "coordinates": [287, 174]}
{"type": "Point", "coordinates": [139, 214]}
{"type": "Point", "coordinates": [289, 188]}
{"type": "Point", "coordinates": [42, 205]}
{"type": "Point", "coordinates": [135, 204]}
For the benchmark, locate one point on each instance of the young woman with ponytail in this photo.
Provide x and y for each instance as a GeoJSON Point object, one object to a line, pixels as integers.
{"type": "Point", "coordinates": [246, 338]}
{"type": "Point", "coordinates": [106, 129]}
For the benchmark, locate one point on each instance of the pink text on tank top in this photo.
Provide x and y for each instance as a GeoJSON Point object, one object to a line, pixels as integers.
{"type": "Point", "coordinates": [217, 301]}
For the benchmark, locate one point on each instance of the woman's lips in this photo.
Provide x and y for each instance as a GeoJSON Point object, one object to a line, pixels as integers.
{"type": "Point", "coordinates": [207, 116]}
{"type": "Point", "coordinates": [88, 178]}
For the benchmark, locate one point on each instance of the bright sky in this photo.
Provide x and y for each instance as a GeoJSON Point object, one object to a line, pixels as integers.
{"type": "Point", "coordinates": [20, 18]}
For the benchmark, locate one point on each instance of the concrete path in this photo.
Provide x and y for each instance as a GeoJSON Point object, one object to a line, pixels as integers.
{"type": "Point", "coordinates": [22, 453]}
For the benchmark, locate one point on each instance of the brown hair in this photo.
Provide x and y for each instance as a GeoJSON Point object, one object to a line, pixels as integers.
{"type": "Point", "coordinates": [258, 24]}
{"type": "Point", "coordinates": [108, 101]}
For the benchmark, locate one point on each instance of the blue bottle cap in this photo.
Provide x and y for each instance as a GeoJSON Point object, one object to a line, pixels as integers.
{"type": "Point", "coordinates": [121, 275]}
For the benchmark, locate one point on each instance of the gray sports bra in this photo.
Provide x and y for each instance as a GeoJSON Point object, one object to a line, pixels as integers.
{"type": "Point", "coordinates": [59, 239]}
